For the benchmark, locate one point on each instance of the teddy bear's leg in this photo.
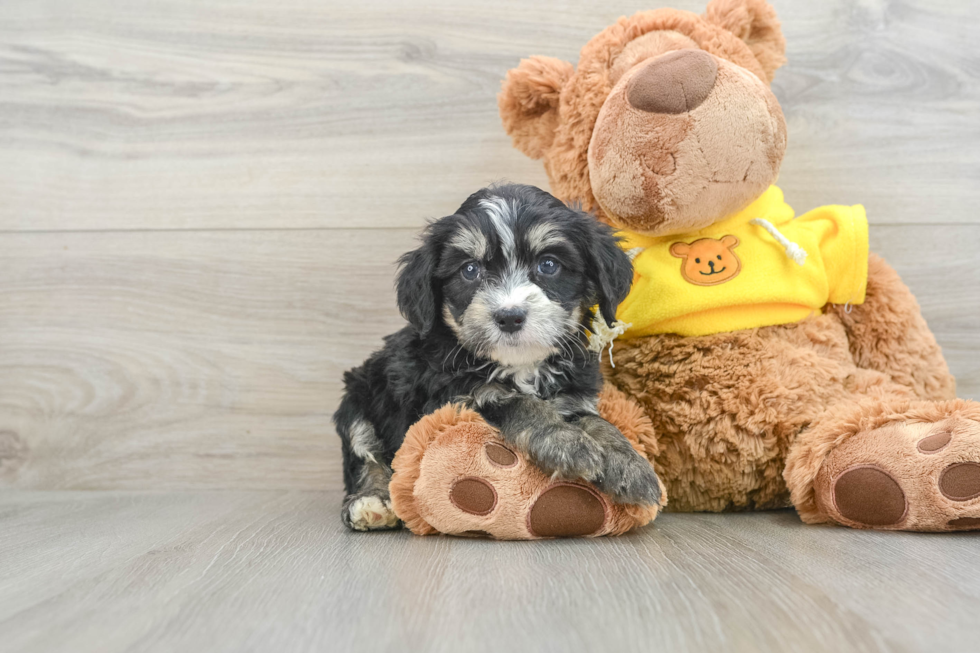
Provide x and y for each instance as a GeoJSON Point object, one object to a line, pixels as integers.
{"type": "Point", "coordinates": [455, 475]}
{"type": "Point", "coordinates": [896, 464]}
{"type": "Point", "coordinates": [887, 333]}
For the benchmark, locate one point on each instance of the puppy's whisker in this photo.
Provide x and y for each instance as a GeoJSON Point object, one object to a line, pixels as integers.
{"type": "Point", "coordinates": [445, 359]}
{"type": "Point", "coordinates": [459, 349]}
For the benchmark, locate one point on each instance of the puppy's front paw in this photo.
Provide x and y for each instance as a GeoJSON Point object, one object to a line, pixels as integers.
{"type": "Point", "coordinates": [368, 513]}
{"type": "Point", "coordinates": [567, 451]}
{"type": "Point", "coordinates": [629, 478]}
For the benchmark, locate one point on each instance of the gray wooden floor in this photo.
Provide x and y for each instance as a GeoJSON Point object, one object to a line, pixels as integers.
{"type": "Point", "coordinates": [201, 204]}
{"type": "Point", "coordinates": [276, 571]}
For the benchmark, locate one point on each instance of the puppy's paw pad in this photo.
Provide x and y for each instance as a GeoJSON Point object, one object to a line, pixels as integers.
{"type": "Point", "coordinates": [960, 481]}
{"type": "Point", "coordinates": [473, 495]}
{"type": "Point", "coordinates": [869, 495]}
{"type": "Point", "coordinates": [566, 510]}
{"type": "Point", "coordinates": [371, 513]}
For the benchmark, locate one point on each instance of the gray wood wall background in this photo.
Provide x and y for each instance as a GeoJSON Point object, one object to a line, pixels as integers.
{"type": "Point", "coordinates": [201, 203]}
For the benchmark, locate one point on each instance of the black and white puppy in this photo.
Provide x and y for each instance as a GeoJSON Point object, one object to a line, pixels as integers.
{"type": "Point", "coordinates": [499, 302]}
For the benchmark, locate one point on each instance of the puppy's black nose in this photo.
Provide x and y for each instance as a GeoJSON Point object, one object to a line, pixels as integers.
{"type": "Point", "coordinates": [510, 320]}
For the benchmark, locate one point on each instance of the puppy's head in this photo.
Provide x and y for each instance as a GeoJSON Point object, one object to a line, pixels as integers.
{"type": "Point", "coordinates": [514, 274]}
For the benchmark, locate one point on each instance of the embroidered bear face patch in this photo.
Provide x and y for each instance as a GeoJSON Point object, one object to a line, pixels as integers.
{"type": "Point", "coordinates": [708, 261]}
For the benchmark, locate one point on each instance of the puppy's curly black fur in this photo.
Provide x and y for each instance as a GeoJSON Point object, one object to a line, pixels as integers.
{"type": "Point", "coordinates": [499, 300]}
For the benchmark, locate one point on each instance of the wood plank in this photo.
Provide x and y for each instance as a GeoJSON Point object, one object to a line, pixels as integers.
{"type": "Point", "coordinates": [169, 360]}
{"type": "Point", "coordinates": [263, 571]}
{"type": "Point", "coordinates": [185, 359]}
{"type": "Point", "coordinates": [941, 265]}
{"type": "Point", "coordinates": [300, 114]}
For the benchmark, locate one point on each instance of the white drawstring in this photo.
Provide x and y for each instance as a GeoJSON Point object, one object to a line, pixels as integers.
{"type": "Point", "coordinates": [794, 251]}
{"type": "Point", "coordinates": [603, 334]}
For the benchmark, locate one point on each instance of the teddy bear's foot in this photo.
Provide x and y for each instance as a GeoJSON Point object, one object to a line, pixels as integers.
{"type": "Point", "coordinates": [918, 472]}
{"type": "Point", "coordinates": [463, 480]}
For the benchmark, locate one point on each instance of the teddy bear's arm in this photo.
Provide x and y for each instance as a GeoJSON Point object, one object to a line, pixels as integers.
{"type": "Point", "coordinates": [887, 333]}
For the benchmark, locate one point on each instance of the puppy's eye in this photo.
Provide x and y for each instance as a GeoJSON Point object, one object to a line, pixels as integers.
{"type": "Point", "coordinates": [470, 271]}
{"type": "Point", "coordinates": [548, 266]}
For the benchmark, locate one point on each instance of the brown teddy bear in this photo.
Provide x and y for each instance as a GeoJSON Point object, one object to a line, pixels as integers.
{"type": "Point", "coordinates": [774, 360]}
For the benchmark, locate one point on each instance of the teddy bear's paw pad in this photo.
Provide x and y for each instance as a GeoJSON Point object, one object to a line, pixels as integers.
{"type": "Point", "coordinates": [567, 510]}
{"type": "Point", "coordinates": [934, 443]}
{"type": "Point", "coordinates": [869, 495]}
{"type": "Point", "coordinates": [971, 523]}
{"type": "Point", "coordinates": [500, 455]}
{"type": "Point", "coordinates": [960, 481]}
{"type": "Point", "coordinates": [473, 495]}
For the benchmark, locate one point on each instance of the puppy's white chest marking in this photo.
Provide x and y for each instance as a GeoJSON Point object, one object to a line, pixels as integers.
{"type": "Point", "coordinates": [528, 379]}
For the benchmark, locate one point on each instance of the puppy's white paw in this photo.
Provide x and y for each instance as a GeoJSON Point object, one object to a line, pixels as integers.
{"type": "Point", "coordinates": [370, 513]}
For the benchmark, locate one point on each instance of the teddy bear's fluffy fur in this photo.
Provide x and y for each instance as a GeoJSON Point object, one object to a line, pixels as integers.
{"type": "Point", "coordinates": [728, 408]}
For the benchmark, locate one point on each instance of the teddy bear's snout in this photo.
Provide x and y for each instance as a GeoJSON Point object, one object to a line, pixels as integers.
{"type": "Point", "coordinates": [673, 83]}
{"type": "Point", "coordinates": [665, 156]}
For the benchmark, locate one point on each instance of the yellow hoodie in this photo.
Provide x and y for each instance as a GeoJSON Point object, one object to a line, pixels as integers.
{"type": "Point", "coordinates": [744, 272]}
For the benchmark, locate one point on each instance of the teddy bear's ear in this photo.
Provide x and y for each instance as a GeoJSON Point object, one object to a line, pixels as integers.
{"type": "Point", "coordinates": [529, 102]}
{"type": "Point", "coordinates": [680, 250]}
{"type": "Point", "coordinates": [730, 241]}
{"type": "Point", "coordinates": [755, 22]}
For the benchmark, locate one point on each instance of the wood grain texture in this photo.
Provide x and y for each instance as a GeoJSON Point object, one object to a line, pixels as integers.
{"type": "Point", "coordinates": [185, 359]}
{"type": "Point", "coordinates": [265, 571]}
{"type": "Point", "coordinates": [201, 204]}
{"type": "Point", "coordinates": [175, 114]}
{"type": "Point", "coordinates": [168, 360]}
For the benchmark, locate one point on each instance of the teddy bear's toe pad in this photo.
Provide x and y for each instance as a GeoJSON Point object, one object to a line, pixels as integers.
{"type": "Point", "coordinates": [566, 510]}
{"type": "Point", "coordinates": [934, 443]}
{"type": "Point", "coordinates": [500, 455]}
{"type": "Point", "coordinates": [960, 481]}
{"type": "Point", "coordinates": [473, 495]}
{"type": "Point", "coordinates": [869, 495]}
{"type": "Point", "coordinates": [965, 522]}
{"type": "Point", "coordinates": [912, 476]}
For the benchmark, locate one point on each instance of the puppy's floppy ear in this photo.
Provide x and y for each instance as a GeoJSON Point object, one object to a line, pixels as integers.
{"type": "Point", "coordinates": [610, 269]}
{"type": "Point", "coordinates": [414, 288]}
{"type": "Point", "coordinates": [755, 22]}
{"type": "Point", "coordinates": [528, 102]}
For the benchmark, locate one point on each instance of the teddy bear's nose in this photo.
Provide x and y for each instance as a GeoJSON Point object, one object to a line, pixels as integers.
{"type": "Point", "coordinates": [674, 82]}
